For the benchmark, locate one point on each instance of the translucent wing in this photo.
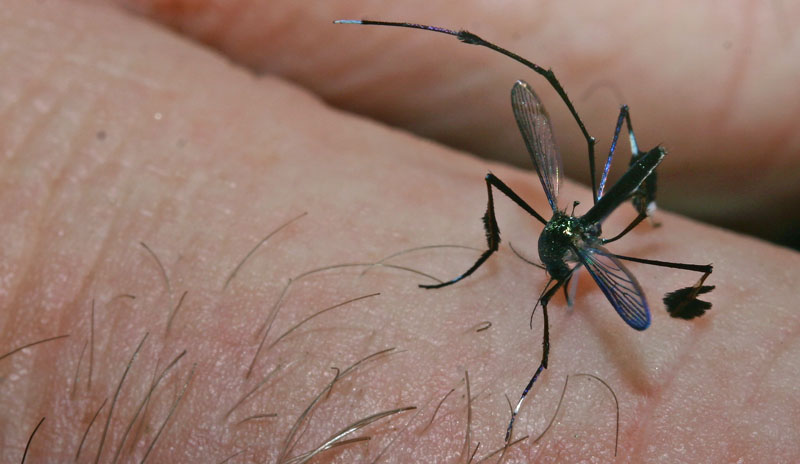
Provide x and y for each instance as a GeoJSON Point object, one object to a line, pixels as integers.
{"type": "Point", "coordinates": [618, 284]}
{"type": "Point", "coordinates": [534, 124]}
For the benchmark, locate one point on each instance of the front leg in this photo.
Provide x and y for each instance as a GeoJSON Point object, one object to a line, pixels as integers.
{"type": "Point", "coordinates": [490, 225]}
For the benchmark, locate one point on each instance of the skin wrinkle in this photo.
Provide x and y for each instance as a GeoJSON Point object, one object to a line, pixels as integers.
{"type": "Point", "coordinates": [28, 264]}
{"type": "Point", "coordinates": [111, 237]}
{"type": "Point", "coordinates": [58, 180]}
{"type": "Point", "coordinates": [31, 139]}
{"type": "Point", "coordinates": [212, 330]}
{"type": "Point", "coordinates": [102, 250]}
{"type": "Point", "coordinates": [105, 242]}
{"type": "Point", "coordinates": [79, 136]}
{"type": "Point", "coordinates": [34, 88]}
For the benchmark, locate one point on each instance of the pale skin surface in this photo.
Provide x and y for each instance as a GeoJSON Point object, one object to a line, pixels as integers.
{"type": "Point", "coordinates": [115, 132]}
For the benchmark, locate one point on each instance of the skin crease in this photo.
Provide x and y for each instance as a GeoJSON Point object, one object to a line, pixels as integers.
{"type": "Point", "coordinates": [116, 132]}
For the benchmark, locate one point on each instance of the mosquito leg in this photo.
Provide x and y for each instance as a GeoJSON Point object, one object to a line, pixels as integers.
{"type": "Point", "coordinates": [492, 238]}
{"type": "Point", "coordinates": [490, 225]}
{"type": "Point", "coordinates": [472, 39]}
{"type": "Point", "coordinates": [573, 286]}
{"type": "Point", "coordinates": [644, 198]}
{"type": "Point", "coordinates": [623, 116]}
{"type": "Point", "coordinates": [545, 352]}
{"type": "Point", "coordinates": [683, 303]}
{"type": "Point", "coordinates": [499, 185]}
{"type": "Point", "coordinates": [625, 186]}
{"type": "Point", "coordinates": [567, 288]}
{"type": "Point", "coordinates": [704, 268]}
{"type": "Point", "coordinates": [631, 136]}
{"type": "Point", "coordinates": [641, 217]}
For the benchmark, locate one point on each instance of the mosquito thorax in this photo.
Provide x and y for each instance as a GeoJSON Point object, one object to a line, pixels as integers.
{"type": "Point", "coordinates": [560, 237]}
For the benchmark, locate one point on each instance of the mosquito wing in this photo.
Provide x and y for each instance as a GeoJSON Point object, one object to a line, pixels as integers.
{"type": "Point", "coordinates": [618, 284]}
{"type": "Point", "coordinates": [534, 124]}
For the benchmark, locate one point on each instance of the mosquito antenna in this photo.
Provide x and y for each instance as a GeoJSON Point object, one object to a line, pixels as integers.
{"type": "Point", "coordinates": [472, 39]}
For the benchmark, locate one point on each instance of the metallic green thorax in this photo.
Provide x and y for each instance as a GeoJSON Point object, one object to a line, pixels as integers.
{"type": "Point", "coordinates": [560, 238]}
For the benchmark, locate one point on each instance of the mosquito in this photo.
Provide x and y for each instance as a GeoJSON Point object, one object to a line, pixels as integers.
{"type": "Point", "coordinates": [569, 242]}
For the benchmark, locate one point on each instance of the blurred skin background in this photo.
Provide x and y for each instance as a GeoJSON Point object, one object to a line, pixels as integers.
{"type": "Point", "coordinates": [715, 86]}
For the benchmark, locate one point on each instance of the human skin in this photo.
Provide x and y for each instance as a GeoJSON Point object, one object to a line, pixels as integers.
{"type": "Point", "coordinates": [116, 132]}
